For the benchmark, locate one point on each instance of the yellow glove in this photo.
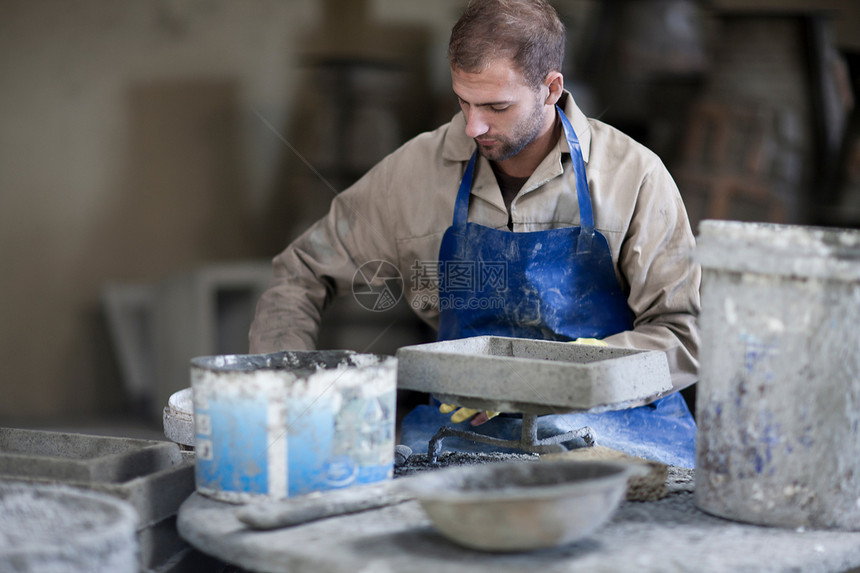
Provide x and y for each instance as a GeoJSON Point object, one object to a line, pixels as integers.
{"type": "Point", "coordinates": [463, 414]}
{"type": "Point", "coordinates": [589, 342]}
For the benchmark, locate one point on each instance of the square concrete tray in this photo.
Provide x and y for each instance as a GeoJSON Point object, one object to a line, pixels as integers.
{"type": "Point", "coordinates": [533, 376]}
{"type": "Point", "coordinates": [78, 457]}
{"type": "Point", "coordinates": [154, 476]}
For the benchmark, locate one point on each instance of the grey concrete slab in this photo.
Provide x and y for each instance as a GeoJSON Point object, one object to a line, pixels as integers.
{"type": "Point", "coordinates": [670, 534]}
{"type": "Point", "coordinates": [515, 374]}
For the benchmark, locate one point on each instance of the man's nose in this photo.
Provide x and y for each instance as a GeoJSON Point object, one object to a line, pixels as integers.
{"type": "Point", "coordinates": [476, 126]}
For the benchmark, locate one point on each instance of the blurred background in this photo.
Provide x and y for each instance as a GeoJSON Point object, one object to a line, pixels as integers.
{"type": "Point", "coordinates": [154, 156]}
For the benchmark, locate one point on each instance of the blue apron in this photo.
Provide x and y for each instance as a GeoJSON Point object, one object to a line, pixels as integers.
{"type": "Point", "coordinates": [557, 284]}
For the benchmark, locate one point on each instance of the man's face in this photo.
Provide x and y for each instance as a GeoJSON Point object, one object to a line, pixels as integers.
{"type": "Point", "coordinates": [503, 114]}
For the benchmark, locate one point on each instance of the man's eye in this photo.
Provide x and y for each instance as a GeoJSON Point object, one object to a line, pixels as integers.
{"type": "Point", "coordinates": [499, 108]}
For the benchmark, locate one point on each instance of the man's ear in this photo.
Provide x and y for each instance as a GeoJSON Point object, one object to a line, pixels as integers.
{"type": "Point", "coordinates": [554, 81]}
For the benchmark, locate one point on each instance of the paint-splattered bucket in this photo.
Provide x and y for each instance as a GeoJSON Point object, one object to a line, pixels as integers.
{"type": "Point", "coordinates": [778, 402]}
{"type": "Point", "coordinates": [290, 423]}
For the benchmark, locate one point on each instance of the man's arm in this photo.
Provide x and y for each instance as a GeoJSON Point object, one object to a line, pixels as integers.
{"type": "Point", "coordinates": [656, 259]}
{"type": "Point", "coordinates": [320, 265]}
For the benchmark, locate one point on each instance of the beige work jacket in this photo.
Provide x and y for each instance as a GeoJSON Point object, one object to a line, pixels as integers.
{"type": "Point", "coordinates": [400, 209]}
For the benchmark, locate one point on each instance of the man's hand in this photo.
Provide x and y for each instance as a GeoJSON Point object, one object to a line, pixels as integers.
{"type": "Point", "coordinates": [463, 414]}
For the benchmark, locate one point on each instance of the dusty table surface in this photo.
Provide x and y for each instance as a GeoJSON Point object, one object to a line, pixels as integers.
{"type": "Point", "coordinates": [667, 535]}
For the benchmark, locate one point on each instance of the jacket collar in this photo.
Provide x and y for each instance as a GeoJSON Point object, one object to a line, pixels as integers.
{"type": "Point", "coordinates": [460, 147]}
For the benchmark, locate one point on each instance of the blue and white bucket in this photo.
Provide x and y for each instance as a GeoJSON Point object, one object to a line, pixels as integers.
{"type": "Point", "coordinates": [290, 423]}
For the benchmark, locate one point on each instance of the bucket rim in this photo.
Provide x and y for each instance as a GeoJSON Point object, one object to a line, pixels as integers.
{"type": "Point", "coordinates": [779, 249]}
{"type": "Point", "coordinates": [288, 360]}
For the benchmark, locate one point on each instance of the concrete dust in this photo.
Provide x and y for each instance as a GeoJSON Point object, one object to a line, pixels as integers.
{"type": "Point", "coordinates": [417, 463]}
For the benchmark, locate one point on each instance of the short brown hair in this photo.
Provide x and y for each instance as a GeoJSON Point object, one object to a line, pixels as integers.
{"type": "Point", "coordinates": [528, 32]}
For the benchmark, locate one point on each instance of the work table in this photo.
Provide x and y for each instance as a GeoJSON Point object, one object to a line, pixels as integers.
{"type": "Point", "coordinates": [670, 534]}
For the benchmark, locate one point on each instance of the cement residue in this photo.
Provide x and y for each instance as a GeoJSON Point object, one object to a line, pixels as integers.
{"type": "Point", "coordinates": [303, 360]}
{"type": "Point", "coordinates": [417, 463]}
{"type": "Point", "coordinates": [680, 479]}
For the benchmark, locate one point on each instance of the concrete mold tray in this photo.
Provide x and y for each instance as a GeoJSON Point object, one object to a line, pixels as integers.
{"type": "Point", "coordinates": [78, 457]}
{"type": "Point", "coordinates": [154, 476]}
{"type": "Point", "coordinates": [533, 376]}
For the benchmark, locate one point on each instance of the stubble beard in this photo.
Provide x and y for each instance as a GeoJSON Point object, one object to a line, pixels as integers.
{"type": "Point", "coordinates": [523, 134]}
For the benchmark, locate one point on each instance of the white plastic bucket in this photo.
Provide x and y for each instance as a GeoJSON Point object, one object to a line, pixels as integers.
{"type": "Point", "coordinates": [290, 423]}
{"type": "Point", "coordinates": [179, 418]}
{"type": "Point", "coordinates": [778, 402]}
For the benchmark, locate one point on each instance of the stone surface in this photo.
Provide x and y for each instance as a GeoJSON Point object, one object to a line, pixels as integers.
{"type": "Point", "coordinates": [320, 505]}
{"type": "Point", "coordinates": [522, 375]}
{"type": "Point", "coordinates": [670, 534]}
{"type": "Point", "coordinates": [269, 514]}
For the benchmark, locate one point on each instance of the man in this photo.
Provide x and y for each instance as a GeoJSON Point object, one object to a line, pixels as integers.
{"type": "Point", "coordinates": [587, 224]}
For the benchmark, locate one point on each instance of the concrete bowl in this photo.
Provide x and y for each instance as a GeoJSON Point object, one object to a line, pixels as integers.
{"type": "Point", "coordinates": [521, 505]}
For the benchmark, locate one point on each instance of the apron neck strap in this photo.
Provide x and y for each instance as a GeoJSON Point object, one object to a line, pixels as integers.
{"type": "Point", "coordinates": [461, 207]}
{"type": "Point", "coordinates": [586, 215]}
